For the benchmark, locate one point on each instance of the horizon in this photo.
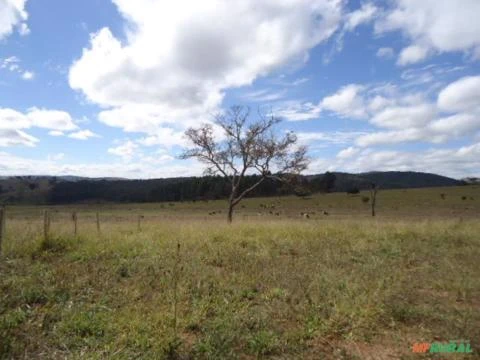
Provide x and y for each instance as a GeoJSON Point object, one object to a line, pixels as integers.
{"type": "Point", "coordinates": [204, 175]}
{"type": "Point", "coordinates": [107, 89]}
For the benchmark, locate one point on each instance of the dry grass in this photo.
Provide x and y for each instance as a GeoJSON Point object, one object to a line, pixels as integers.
{"type": "Point", "coordinates": [263, 288]}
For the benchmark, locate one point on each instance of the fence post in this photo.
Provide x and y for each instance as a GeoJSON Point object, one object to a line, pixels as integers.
{"type": "Point", "coordinates": [46, 224]}
{"type": "Point", "coordinates": [98, 223]}
{"type": "Point", "coordinates": [373, 197]}
{"type": "Point", "coordinates": [74, 219]}
{"type": "Point", "coordinates": [139, 223]}
{"type": "Point", "coordinates": [3, 216]}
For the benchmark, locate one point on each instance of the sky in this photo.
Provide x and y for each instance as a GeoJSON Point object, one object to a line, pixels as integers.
{"type": "Point", "coordinates": [107, 88]}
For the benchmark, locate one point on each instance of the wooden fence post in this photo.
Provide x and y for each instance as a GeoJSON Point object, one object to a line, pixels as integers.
{"type": "Point", "coordinates": [3, 216]}
{"type": "Point", "coordinates": [74, 219]}
{"type": "Point", "coordinates": [46, 224]}
{"type": "Point", "coordinates": [98, 223]}
{"type": "Point", "coordinates": [373, 197]}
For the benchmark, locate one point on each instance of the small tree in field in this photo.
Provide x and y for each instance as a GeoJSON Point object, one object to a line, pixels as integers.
{"type": "Point", "coordinates": [247, 147]}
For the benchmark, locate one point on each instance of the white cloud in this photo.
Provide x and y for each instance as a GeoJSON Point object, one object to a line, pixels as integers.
{"type": "Point", "coordinates": [150, 118]}
{"type": "Point", "coordinates": [332, 137]}
{"type": "Point", "coordinates": [166, 137]}
{"type": "Point", "coordinates": [56, 133]}
{"type": "Point", "coordinates": [28, 75]}
{"type": "Point", "coordinates": [428, 79]}
{"type": "Point", "coordinates": [399, 117]}
{"type": "Point", "coordinates": [12, 64]}
{"type": "Point", "coordinates": [361, 16]}
{"type": "Point", "coordinates": [411, 116]}
{"type": "Point", "coordinates": [179, 63]}
{"type": "Point", "coordinates": [13, 15]}
{"type": "Point", "coordinates": [364, 15]}
{"type": "Point", "coordinates": [12, 119]}
{"type": "Point", "coordinates": [456, 125]}
{"type": "Point", "coordinates": [82, 135]}
{"type": "Point", "coordinates": [347, 102]}
{"type": "Point", "coordinates": [13, 123]}
{"type": "Point", "coordinates": [126, 150]}
{"type": "Point", "coordinates": [56, 157]}
{"type": "Point", "coordinates": [14, 137]}
{"type": "Point", "coordinates": [457, 163]}
{"type": "Point", "coordinates": [265, 95]}
{"type": "Point", "coordinates": [379, 102]}
{"type": "Point", "coordinates": [16, 165]}
{"type": "Point", "coordinates": [23, 29]}
{"type": "Point", "coordinates": [385, 52]}
{"type": "Point", "coordinates": [51, 119]}
{"type": "Point", "coordinates": [420, 76]}
{"type": "Point", "coordinates": [436, 131]}
{"type": "Point", "coordinates": [385, 105]}
{"type": "Point", "coordinates": [298, 82]}
{"type": "Point", "coordinates": [434, 26]}
{"type": "Point", "coordinates": [7, 63]}
{"type": "Point", "coordinates": [461, 95]}
{"type": "Point", "coordinates": [390, 137]}
{"type": "Point", "coordinates": [348, 152]}
{"type": "Point", "coordinates": [298, 111]}
{"type": "Point", "coordinates": [412, 54]}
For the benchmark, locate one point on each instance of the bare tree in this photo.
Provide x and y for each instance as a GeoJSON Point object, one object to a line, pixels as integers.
{"type": "Point", "coordinates": [373, 196]}
{"type": "Point", "coordinates": [248, 147]}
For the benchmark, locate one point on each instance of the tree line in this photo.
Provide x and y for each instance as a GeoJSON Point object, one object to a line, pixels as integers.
{"type": "Point", "coordinates": [180, 189]}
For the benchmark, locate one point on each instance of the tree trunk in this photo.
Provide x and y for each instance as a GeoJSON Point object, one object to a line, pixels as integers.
{"type": "Point", "coordinates": [231, 202]}
{"type": "Point", "coordinates": [230, 213]}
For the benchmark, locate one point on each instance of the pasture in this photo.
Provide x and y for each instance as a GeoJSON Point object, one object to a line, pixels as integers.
{"type": "Point", "coordinates": [183, 284]}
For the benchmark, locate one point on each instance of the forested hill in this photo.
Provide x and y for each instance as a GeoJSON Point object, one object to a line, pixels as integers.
{"type": "Point", "coordinates": [61, 190]}
{"type": "Point", "coordinates": [392, 180]}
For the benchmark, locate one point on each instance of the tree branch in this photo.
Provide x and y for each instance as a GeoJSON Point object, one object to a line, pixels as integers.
{"type": "Point", "coordinates": [247, 147]}
{"type": "Point", "coordinates": [246, 191]}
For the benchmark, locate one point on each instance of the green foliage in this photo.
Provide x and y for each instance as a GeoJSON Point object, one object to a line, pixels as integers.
{"type": "Point", "coordinates": [263, 343]}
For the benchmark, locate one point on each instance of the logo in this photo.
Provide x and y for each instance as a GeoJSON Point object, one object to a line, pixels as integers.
{"type": "Point", "coordinates": [452, 346]}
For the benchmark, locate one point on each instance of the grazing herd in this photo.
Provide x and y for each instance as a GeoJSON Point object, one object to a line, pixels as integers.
{"type": "Point", "coordinates": [271, 208]}
{"type": "Point", "coordinates": [273, 211]}
{"type": "Point", "coordinates": [307, 215]}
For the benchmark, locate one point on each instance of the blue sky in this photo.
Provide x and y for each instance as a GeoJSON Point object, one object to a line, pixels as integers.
{"type": "Point", "coordinates": [107, 88]}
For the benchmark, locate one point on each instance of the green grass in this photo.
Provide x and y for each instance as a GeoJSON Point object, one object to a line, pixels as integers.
{"type": "Point", "coordinates": [280, 288]}
{"type": "Point", "coordinates": [462, 201]}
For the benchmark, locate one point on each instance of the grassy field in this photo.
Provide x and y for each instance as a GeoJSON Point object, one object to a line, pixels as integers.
{"type": "Point", "coordinates": [189, 286]}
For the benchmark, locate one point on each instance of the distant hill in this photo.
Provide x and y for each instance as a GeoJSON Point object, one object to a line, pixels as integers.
{"type": "Point", "coordinates": [471, 181]}
{"type": "Point", "coordinates": [390, 180]}
{"type": "Point", "coordinates": [73, 189]}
